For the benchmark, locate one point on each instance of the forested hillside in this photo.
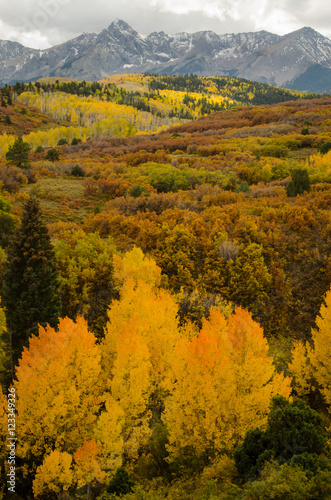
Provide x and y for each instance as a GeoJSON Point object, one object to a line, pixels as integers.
{"type": "Point", "coordinates": [166, 289]}
{"type": "Point", "coordinates": [121, 105]}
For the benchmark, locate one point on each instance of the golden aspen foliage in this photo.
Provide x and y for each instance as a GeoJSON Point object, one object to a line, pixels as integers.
{"type": "Point", "coordinates": [201, 371]}
{"type": "Point", "coordinates": [131, 386]}
{"type": "Point", "coordinates": [249, 278]}
{"type": "Point", "coordinates": [320, 354]}
{"type": "Point", "coordinates": [88, 116]}
{"type": "Point", "coordinates": [5, 433]}
{"type": "Point", "coordinates": [256, 378]}
{"type": "Point", "coordinates": [222, 468]}
{"type": "Point", "coordinates": [223, 383]}
{"type": "Point", "coordinates": [153, 313]}
{"type": "Point", "coordinates": [136, 266]}
{"type": "Point", "coordinates": [87, 468]}
{"type": "Point", "coordinates": [108, 434]}
{"type": "Point", "coordinates": [319, 167]}
{"type": "Point", "coordinates": [6, 141]}
{"type": "Point", "coordinates": [85, 264]}
{"type": "Point", "coordinates": [301, 370]}
{"type": "Point", "coordinates": [55, 475]}
{"type": "Point", "coordinates": [177, 256]}
{"type": "Point", "coordinates": [59, 395]}
{"type": "Point", "coordinates": [3, 330]}
{"type": "Point", "coordinates": [3, 425]}
{"type": "Point", "coordinates": [311, 364]}
{"type": "Point", "coordinates": [139, 346]}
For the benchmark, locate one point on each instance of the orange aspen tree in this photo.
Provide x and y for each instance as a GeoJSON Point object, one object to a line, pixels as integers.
{"type": "Point", "coordinates": [87, 467]}
{"type": "Point", "coordinates": [223, 381]}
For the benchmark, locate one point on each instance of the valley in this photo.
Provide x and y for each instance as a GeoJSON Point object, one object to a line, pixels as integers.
{"type": "Point", "coordinates": [185, 228]}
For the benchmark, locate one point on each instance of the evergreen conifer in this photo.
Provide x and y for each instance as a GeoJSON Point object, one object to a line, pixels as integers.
{"type": "Point", "coordinates": [30, 289]}
{"type": "Point", "coordinates": [18, 154]}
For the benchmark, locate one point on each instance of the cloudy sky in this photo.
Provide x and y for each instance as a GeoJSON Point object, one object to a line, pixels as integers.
{"type": "Point", "coordinates": [43, 23]}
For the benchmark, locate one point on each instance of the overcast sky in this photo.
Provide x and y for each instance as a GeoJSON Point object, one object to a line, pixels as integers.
{"type": "Point", "coordinates": [43, 23]}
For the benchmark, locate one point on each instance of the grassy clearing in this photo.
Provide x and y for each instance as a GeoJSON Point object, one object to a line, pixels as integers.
{"type": "Point", "coordinates": [62, 199]}
{"type": "Point", "coordinates": [133, 86]}
{"type": "Point", "coordinates": [302, 154]}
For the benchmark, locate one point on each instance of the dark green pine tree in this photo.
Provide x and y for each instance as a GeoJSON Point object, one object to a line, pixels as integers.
{"type": "Point", "coordinates": [294, 435]}
{"type": "Point", "coordinates": [300, 182]}
{"type": "Point", "coordinates": [18, 154]}
{"type": "Point", "coordinates": [30, 290]}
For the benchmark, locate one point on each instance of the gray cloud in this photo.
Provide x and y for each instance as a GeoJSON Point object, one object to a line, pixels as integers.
{"type": "Point", "coordinates": [43, 23]}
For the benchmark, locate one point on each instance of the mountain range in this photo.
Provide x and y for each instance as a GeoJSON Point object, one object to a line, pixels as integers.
{"type": "Point", "coordinates": [300, 60]}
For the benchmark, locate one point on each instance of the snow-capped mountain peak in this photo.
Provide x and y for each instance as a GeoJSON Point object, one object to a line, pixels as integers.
{"type": "Point", "coordinates": [288, 60]}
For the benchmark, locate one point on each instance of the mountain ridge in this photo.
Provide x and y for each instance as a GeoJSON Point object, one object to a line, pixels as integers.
{"type": "Point", "coordinates": [285, 61]}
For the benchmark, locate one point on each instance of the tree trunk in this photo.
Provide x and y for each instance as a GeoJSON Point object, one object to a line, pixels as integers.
{"type": "Point", "coordinates": [88, 491]}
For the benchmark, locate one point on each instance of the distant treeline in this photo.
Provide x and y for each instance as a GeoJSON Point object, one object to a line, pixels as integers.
{"type": "Point", "coordinates": [205, 94]}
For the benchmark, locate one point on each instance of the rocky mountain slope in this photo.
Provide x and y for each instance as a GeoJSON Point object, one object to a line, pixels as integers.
{"type": "Point", "coordinates": [300, 60]}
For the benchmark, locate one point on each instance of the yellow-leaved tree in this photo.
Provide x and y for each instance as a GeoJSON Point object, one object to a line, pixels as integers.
{"type": "Point", "coordinates": [136, 266]}
{"type": "Point", "coordinates": [320, 354]}
{"type": "Point", "coordinates": [4, 466]}
{"type": "Point", "coordinates": [139, 345]}
{"type": "Point", "coordinates": [87, 466]}
{"type": "Point", "coordinates": [3, 357]}
{"type": "Point", "coordinates": [54, 476]}
{"type": "Point", "coordinates": [85, 264]}
{"type": "Point", "coordinates": [311, 364]}
{"type": "Point", "coordinates": [301, 370]}
{"type": "Point", "coordinates": [108, 434]}
{"type": "Point", "coordinates": [59, 393]}
{"type": "Point", "coordinates": [223, 381]}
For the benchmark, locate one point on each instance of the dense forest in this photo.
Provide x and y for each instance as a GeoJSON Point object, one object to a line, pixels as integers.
{"type": "Point", "coordinates": [165, 274]}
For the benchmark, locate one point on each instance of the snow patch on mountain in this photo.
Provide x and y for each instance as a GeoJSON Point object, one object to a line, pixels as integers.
{"type": "Point", "coordinates": [260, 56]}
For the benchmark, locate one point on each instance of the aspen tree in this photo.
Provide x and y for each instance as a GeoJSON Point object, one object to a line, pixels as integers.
{"type": "Point", "coordinates": [223, 381]}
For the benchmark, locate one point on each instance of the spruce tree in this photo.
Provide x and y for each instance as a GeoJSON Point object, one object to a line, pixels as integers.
{"type": "Point", "coordinates": [18, 154]}
{"type": "Point", "coordinates": [300, 182]}
{"type": "Point", "coordinates": [30, 289]}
